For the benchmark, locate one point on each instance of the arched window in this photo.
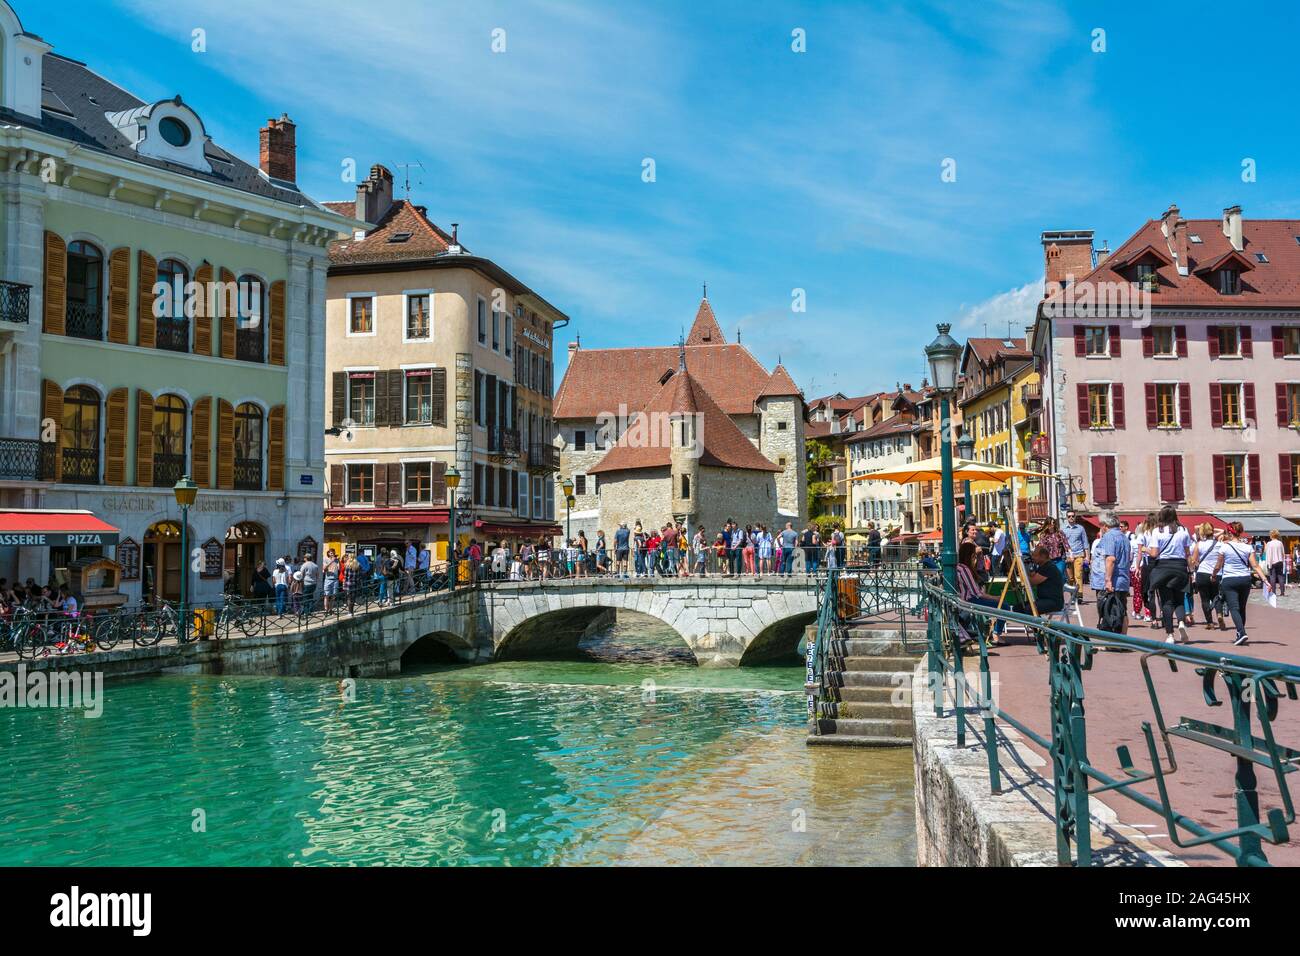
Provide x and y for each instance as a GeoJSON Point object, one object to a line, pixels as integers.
{"type": "Point", "coordinates": [173, 328]}
{"type": "Point", "coordinates": [85, 291]}
{"type": "Point", "coordinates": [248, 447]}
{"type": "Point", "coordinates": [79, 437]}
{"type": "Point", "coordinates": [250, 332]}
{"type": "Point", "coordinates": [169, 414]}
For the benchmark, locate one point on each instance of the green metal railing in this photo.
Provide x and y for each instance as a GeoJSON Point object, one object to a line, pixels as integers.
{"type": "Point", "coordinates": [1254, 689]}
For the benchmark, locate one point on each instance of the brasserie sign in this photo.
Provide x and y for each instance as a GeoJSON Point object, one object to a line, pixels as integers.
{"type": "Point", "coordinates": [56, 539]}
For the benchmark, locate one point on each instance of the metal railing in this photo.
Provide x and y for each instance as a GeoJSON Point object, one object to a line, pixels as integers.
{"type": "Point", "coordinates": [20, 459]}
{"type": "Point", "coordinates": [503, 441]}
{"type": "Point", "coordinates": [167, 469]}
{"type": "Point", "coordinates": [248, 474]}
{"type": "Point", "coordinates": [956, 630]}
{"type": "Point", "coordinates": [173, 335]}
{"type": "Point", "coordinates": [81, 466]}
{"type": "Point", "coordinates": [84, 320]}
{"type": "Point", "coordinates": [249, 345]}
{"type": "Point", "coordinates": [543, 455]}
{"type": "Point", "coordinates": [15, 302]}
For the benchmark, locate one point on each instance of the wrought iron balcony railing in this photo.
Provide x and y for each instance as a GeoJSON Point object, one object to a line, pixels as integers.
{"type": "Point", "coordinates": [15, 302]}
{"type": "Point", "coordinates": [85, 320]}
{"type": "Point", "coordinates": [543, 456]}
{"type": "Point", "coordinates": [81, 466]}
{"type": "Point", "coordinates": [503, 441]}
{"type": "Point", "coordinates": [22, 459]}
{"type": "Point", "coordinates": [249, 345]}
{"type": "Point", "coordinates": [173, 335]}
{"type": "Point", "coordinates": [167, 469]}
{"type": "Point", "coordinates": [248, 474]}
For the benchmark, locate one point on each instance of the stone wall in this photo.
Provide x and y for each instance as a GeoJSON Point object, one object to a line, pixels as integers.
{"type": "Point", "coordinates": [786, 445]}
{"type": "Point", "coordinates": [747, 496]}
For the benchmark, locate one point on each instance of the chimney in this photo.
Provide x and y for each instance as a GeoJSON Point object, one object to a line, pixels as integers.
{"type": "Point", "coordinates": [1167, 221]}
{"type": "Point", "coordinates": [573, 347]}
{"type": "Point", "coordinates": [278, 157]}
{"type": "Point", "coordinates": [375, 195]}
{"type": "Point", "coordinates": [1103, 253]}
{"type": "Point", "coordinates": [454, 248]}
{"type": "Point", "coordinates": [1180, 246]}
{"type": "Point", "coordinates": [1066, 253]}
{"type": "Point", "coordinates": [1232, 226]}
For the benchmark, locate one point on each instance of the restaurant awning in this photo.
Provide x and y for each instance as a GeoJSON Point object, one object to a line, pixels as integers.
{"type": "Point", "coordinates": [54, 529]}
{"type": "Point", "coordinates": [502, 530]}
{"type": "Point", "coordinates": [363, 516]}
{"type": "Point", "coordinates": [1261, 523]}
{"type": "Point", "coordinates": [1188, 519]}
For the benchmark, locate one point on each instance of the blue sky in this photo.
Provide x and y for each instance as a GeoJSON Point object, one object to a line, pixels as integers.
{"type": "Point", "coordinates": [774, 170]}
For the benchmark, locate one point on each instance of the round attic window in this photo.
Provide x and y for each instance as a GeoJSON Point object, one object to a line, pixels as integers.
{"type": "Point", "coordinates": [174, 131]}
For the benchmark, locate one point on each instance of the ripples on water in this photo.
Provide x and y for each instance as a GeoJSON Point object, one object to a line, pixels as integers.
{"type": "Point", "coordinates": [523, 763]}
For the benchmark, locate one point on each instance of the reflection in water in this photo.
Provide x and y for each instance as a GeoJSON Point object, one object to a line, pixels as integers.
{"type": "Point", "coordinates": [516, 764]}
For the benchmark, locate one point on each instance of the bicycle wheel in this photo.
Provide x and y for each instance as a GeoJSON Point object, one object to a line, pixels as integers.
{"type": "Point", "coordinates": [27, 639]}
{"type": "Point", "coordinates": [106, 632]}
{"type": "Point", "coordinates": [150, 629]}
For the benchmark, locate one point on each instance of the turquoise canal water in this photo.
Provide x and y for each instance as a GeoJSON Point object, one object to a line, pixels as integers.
{"type": "Point", "coordinates": [526, 763]}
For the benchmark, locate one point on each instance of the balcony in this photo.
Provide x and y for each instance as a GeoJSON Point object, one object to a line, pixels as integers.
{"type": "Point", "coordinates": [15, 302]}
{"type": "Point", "coordinates": [249, 345]}
{"type": "Point", "coordinates": [26, 459]}
{"type": "Point", "coordinates": [85, 320]}
{"type": "Point", "coordinates": [1031, 392]}
{"type": "Point", "coordinates": [1035, 509]}
{"type": "Point", "coordinates": [248, 474]}
{"type": "Point", "coordinates": [167, 469]}
{"type": "Point", "coordinates": [173, 335]}
{"type": "Point", "coordinates": [81, 466]}
{"type": "Point", "coordinates": [503, 441]}
{"type": "Point", "coordinates": [544, 457]}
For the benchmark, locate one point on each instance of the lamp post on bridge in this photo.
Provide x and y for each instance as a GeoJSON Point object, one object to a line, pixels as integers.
{"type": "Point", "coordinates": [185, 491]}
{"type": "Point", "coordinates": [452, 478]}
{"type": "Point", "coordinates": [567, 487]}
{"type": "Point", "coordinates": [943, 355]}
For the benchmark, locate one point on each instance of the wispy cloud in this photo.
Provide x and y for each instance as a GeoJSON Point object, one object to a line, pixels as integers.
{"type": "Point", "coordinates": [1007, 313]}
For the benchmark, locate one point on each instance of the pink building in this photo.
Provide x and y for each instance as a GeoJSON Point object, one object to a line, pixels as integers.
{"type": "Point", "coordinates": [1171, 368]}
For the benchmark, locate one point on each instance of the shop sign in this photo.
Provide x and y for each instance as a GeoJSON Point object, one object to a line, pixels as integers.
{"type": "Point", "coordinates": [214, 557]}
{"type": "Point", "coordinates": [128, 555]}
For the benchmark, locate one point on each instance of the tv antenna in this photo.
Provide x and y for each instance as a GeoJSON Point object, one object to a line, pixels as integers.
{"type": "Point", "coordinates": [406, 175]}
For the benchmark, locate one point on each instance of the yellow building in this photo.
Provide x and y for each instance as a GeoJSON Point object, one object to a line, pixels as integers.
{"type": "Point", "coordinates": [997, 379]}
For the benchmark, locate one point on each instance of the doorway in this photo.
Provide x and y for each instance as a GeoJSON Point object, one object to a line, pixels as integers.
{"type": "Point", "coordinates": [160, 563]}
{"type": "Point", "coordinates": [245, 547]}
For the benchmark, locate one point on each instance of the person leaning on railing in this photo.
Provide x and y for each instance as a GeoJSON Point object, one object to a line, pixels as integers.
{"type": "Point", "coordinates": [968, 588]}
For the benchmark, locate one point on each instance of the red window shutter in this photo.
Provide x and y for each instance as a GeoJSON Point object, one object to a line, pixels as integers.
{"type": "Point", "coordinates": [1283, 416]}
{"type": "Point", "coordinates": [1179, 493]}
{"type": "Point", "coordinates": [1184, 405]}
{"type": "Point", "coordinates": [1249, 391]}
{"type": "Point", "coordinates": [1285, 469]}
{"type": "Point", "coordinates": [1216, 405]}
{"type": "Point", "coordinates": [1113, 335]}
{"type": "Point", "coordinates": [1213, 334]}
{"type": "Point", "coordinates": [1253, 468]}
{"type": "Point", "coordinates": [1152, 412]}
{"type": "Point", "coordinates": [1247, 348]}
{"type": "Point", "coordinates": [1148, 342]}
{"type": "Point", "coordinates": [1167, 478]}
{"type": "Point", "coordinates": [1112, 493]}
{"type": "Point", "coordinates": [1277, 341]}
{"type": "Point", "coordinates": [1220, 479]}
{"type": "Point", "coordinates": [1180, 334]}
{"type": "Point", "coordinates": [1085, 419]}
{"type": "Point", "coordinates": [1099, 479]}
{"type": "Point", "coordinates": [1117, 404]}
{"type": "Point", "coordinates": [1080, 346]}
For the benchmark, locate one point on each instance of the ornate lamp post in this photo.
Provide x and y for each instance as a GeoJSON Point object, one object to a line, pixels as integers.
{"type": "Point", "coordinates": [452, 478]}
{"type": "Point", "coordinates": [185, 491]}
{"type": "Point", "coordinates": [966, 450]}
{"type": "Point", "coordinates": [943, 354]}
{"type": "Point", "coordinates": [567, 486]}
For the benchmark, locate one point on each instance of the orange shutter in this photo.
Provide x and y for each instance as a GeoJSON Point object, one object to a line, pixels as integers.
{"type": "Point", "coordinates": [229, 316]}
{"type": "Point", "coordinates": [115, 438]}
{"type": "Point", "coordinates": [146, 275]}
{"type": "Point", "coordinates": [276, 331]}
{"type": "Point", "coordinates": [119, 297]}
{"type": "Point", "coordinates": [52, 426]}
{"type": "Point", "coordinates": [143, 439]}
{"type": "Point", "coordinates": [201, 443]}
{"type": "Point", "coordinates": [225, 444]}
{"type": "Point", "coordinates": [275, 449]}
{"type": "Point", "coordinates": [202, 314]}
{"type": "Point", "coordinates": [56, 286]}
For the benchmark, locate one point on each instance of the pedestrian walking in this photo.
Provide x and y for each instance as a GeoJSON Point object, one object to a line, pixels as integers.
{"type": "Point", "coordinates": [1237, 567]}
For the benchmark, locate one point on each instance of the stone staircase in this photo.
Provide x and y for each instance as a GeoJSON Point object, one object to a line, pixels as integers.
{"type": "Point", "coordinates": [870, 678]}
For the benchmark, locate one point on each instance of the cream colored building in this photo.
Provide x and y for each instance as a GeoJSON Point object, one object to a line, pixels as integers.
{"type": "Point", "coordinates": [434, 358]}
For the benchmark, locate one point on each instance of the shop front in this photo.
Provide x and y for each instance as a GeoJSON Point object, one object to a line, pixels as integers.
{"type": "Point", "coordinates": [380, 530]}
{"type": "Point", "coordinates": [44, 544]}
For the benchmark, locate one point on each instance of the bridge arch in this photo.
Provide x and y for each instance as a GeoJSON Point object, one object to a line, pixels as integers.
{"type": "Point", "coordinates": [435, 647]}
{"type": "Point", "coordinates": [779, 641]}
{"type": "Point", "coordinates": [560, 633]}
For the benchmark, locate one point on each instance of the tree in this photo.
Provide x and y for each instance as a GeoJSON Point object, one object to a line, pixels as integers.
{"type": "Point", "coordinates": [819, 453]}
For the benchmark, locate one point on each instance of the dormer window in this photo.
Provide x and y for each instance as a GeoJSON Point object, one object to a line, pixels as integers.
{"type": "Point", "coordinates": [174, 131]}
{"type": "Point", "coordinates": [1229, 282]}
{"type": "Point", "coordinates": [167, 130]}
{"type": "Point", "coordinates": [1145, 273]}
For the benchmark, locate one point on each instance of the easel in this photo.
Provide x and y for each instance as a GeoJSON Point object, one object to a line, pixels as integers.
{"type": "Point", "coordinates": [1017, 561]}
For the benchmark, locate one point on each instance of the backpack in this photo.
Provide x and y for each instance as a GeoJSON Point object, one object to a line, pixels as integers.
{"type": "Point", "coordinates": [1110, 612]}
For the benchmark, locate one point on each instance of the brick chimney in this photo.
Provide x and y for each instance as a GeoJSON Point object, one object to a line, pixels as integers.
{"type": "Point", "coordinates": [1232, 226]}
{"type": "Point", "coordinates": [375, 195]}
{"type": "Point", "coordinates": [279, 153]}
{"type": "Point", "coordinates": [1065, 253]}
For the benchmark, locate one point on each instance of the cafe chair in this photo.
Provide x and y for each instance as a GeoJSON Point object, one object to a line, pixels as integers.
{"type": "Point", "coordinates": [1070, 613]}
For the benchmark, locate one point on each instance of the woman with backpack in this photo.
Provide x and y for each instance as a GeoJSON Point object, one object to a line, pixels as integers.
{"type": "Point", "coordinates": [1236, 568]}
{"type": "Point", "coordinates": [1204, 561]}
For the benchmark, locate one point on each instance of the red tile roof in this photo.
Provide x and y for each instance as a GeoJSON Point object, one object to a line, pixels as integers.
{"type": "Point", "coordinates": [705, 329]}
{"type": "Point", "coordinates": [424, 239]}
{"type": "Point", "coordinates": [894, 425]}
{"type": "Point", "coordinates": [779, 384]}
{"type": "Point", "coordinates": [723, 444]}
{"type": "Point", "coordinates": [988, 350]}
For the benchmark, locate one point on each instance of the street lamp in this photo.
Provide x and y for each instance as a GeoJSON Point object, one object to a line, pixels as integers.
{"type": "Point", "coordinates": [185, 491]}
{"type": "Point", "coordinates": [452, 477]}
{"type": "Point", "coordinates": [567, 486]}
{"type": "Point", "coordinates": [966, 451]}
{"type": "Point", "coordinates": [943, 354]}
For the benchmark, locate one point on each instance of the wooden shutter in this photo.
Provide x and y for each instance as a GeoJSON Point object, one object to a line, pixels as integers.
{"type": "Point", "coordinates": [275, 449]}
{"type": "Point", "coordinates": [225, 444]}
{"type": "Point", "coordinates": [381, 398]}
{"type": "Point", "coordinates": [1248, 400]}
{"type": "Point", "coordinates": [1184, 405]}
{"type": "Point", "coordinates": [340, 398]}
{"type": "Point", "coordinates": [146, 326]}
{"type": "Point", "coordinates": [1103, 479]}
{"type": "Point", "coordinates": [1283, 413]}
{"type": "Point", "coordinates": [119, 297]}
{"type": "Point", "coordinates": [1247, 346]}
{"type": "Point", "coordinates": [1085, 416]}
{"type": "Point", "coordinates": [438, 389]}
{"type": "Point", "coordinates": [201, 443]}
{"type": "Point", "coordinates": [439, 483]}
{"type": "Point", "coordinates": [1277, 341]}
{"type": "Point", "coordinates": [143, 439]}
{"type": "Point", "coordinates": [1080, 342]}
{"type": "Point", "coordinates": [1112, 334]}
{"type": "Point", "coordinates": [275, 330]}
{"type": "Point", "coordinates": [1153, 413]}
{"type": "Point", "coordinates": [56, 286]}
{"type": "Point", "coordinates": [115, 437]}
{"type": "Point", "coordinates": [1254, 476]}
{"type": "Point", "coordinates": [1166, 463]}
{"type": "Point", "coordinates": [1117, 404]}
{"type": "Point", "coordinates": [336, 486]}
{"type": "Point", "coordinates": [396, 397]}
{"type": "Point", "coordinates": [228, 317]}
{"type": "Point", "coordinates": [381, 484]}
{"type": "Point", "coordinates": [52, 410]}
{"type": "Point", "coordinates": [1216, 405]}
{"type": "Point", "coordinates": [1213, 337]}
{"type": "Point", "coordinates": [1180, 337]}
{"type": "Point", "coordinates": [1220, 479]}
{"type": "Point", "coordinates": [1179, 492]}
{"type": "Point", "coordinates": [1148, 342]}
{"type": "Point", "coordinates": [1285, 470]}
{"type": "Point", "coordinates": [202, 316]}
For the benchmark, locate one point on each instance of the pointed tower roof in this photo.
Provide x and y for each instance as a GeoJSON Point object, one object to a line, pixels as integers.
{"type": "Point", "coordinates": [705, 329]}
{"type": "Point", "coordinates": [779, 383]}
